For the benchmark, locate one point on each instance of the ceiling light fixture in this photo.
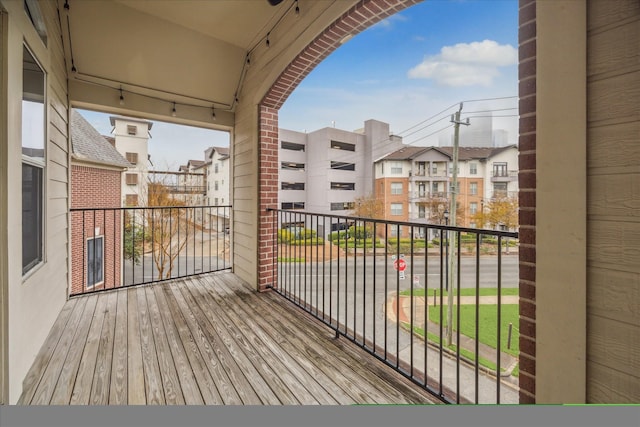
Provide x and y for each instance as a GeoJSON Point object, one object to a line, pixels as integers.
{"type": "Point", "coordinates": [297, 8]}
{"type": "Point", "coordinates": [121, 97]}
{"type": "Point", "coordinates": [213, 114]}
{"type": "Point", "coordinates": [173, 111]}
{"type": "Point", "coordinates": [268, 42]}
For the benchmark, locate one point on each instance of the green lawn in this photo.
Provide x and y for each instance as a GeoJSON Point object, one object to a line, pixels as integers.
{"type": "Point", "coordinates": [487, 330]}
{"type": "Point", "coordinates": [487, 322]}
{"type": "Point", "coordinates": [419, 292]}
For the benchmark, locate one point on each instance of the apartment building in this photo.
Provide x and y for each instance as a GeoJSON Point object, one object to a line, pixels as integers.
{"type": "Point", "coordinates": [217, 168]}
{"type": "Point", "coordinates": [414, 183]}
{"type": "Point", "coordinates": [326, 170]}
{"type": "Point", "coordinates": [131, 138]}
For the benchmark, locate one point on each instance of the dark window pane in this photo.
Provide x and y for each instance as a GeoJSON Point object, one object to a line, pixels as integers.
{"type": "Point", "coordinates": [31, 216]}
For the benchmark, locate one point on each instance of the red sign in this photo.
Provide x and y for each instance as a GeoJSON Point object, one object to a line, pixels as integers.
{"type": "Point", "coordinates": [400, 264]}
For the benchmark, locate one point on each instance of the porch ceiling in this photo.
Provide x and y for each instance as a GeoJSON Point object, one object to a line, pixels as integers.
{"type": "Point", "coordinates": [190, 52]}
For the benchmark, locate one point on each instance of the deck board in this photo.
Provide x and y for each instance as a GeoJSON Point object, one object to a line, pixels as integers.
{"type": "Point", "coordinates": [135, 367]}
{"type": "Point", "coordinates": [118, 389]}
{"type": "Point", "coordinates": [208, 340]}
{"type": "Point", "coordinates": [102, 373]}
{"type": "Point", "coordinates": [46, 353]}
{"type": "Point", "coordinates": [68, 374]}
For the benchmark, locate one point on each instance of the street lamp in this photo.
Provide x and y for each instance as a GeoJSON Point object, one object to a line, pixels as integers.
{"type": "Point", "coordinates": [446, 255]}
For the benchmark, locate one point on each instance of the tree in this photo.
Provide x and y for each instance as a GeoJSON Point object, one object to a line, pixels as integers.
{"type": "Point", "coordinates": [502, 211]}
{"type": "Point", "coordinates": [435, 208]}
{"type": "Point", "coordinates": [368, 206]}
{"type": "Point", "coordinates": [169, 224]}
{"type": "Point", "coordinates": [133, 239]}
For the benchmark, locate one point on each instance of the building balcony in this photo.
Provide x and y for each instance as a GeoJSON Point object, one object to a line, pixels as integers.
{"type": "Point", "coordinates": [424, 197]}
{"type": "Point", "coordinates": [208, 340]}
{"type": "Point", "coordinates": [504, 176]}
{"type": "Point", "coordinates": [206, 336]}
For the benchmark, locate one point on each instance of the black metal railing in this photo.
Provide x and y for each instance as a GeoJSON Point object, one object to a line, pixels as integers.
{"type": "Point", "coordinates": [384, 286]}
{"type": "Point", "coordinates": [119, 247]}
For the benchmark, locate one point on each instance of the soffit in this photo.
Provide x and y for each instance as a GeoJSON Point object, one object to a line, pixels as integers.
{"type": "Point", "coordinates": [193, 53]}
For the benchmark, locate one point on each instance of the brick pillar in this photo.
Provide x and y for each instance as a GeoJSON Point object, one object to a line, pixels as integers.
{"type": "Point", "coordinates": [267, 196]}
{"type": "Point", "coordinates": [527, 199]}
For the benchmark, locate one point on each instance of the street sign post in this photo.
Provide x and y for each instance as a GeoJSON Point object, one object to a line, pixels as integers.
{"type": "Point", "coordinates": [400, 265]}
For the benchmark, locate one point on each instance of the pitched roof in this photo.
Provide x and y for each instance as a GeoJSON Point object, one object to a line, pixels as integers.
{"type": "Point", "coordinates": [405, 153]}
{"type": "Point", "coordinates": [474, 153]}
{"type": "Point", "coordinates": [87, 144]}
{"type": "Point", "coordinates": [222, 151]}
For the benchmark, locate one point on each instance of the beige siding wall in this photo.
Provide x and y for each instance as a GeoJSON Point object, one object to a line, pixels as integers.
{"type": "Point", "coordinates": [286, 41]}
{"type": "Point", "coordinates": [244, 158]}
{"type": "Point", "coordinates": [613, 305]}
{"type": "Point", "coordinates": [35, 300]}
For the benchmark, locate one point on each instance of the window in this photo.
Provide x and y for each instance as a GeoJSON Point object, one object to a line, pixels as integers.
{"type": "Point", "coordinates": [337, 145]}
{"type": "Point", "coordinates": [396, 230]}
{"type": "Point", "coordinates": [292, 186]}
{"type": "Point", "coordinates": [216, 201]}
{"type": "Point", "coordinates": [132, 158]}
{"type": "Point", "coordinates": [131, 200]}
{"type": "Point", "coordinates": [132, 130]}
{"type": "Point", "coordinates": [292, 166]}
{"type": "Point", "coordinates": [434, 169]}
{"type": "Point", "coordinates": [396, 168]}
{"type": "Point", "coordinates": [292, 146]}
{"type": "Point", "coordinates": [500, 169]}
{"type": "Point", "coordinates": [434, 187]}
{"type": "Point", "coordinates": [33, 161]}
{"type": "Point", "coordinates": [292, 205]}
{"type": "Point", "coordinates": [95, 261]}
{"type": "Point", "coordinates": [422, 189]}
{"type": "Point", "coordinates": [343, 186]}
{"type": "Point", "coordinates": [473, 208]}
{"type": "Point", "coordinates": [396, 188]}
{"type": "Point", "coordinates": [396, 208]}
{"type": "Point", "coordinates": [132, 179]}
{"type": "Point", "coordinates": [472, 224]}
{"type": "Point", "coordinates": [473, 168]}
{"type": "Point", "coordinates": [473, 188]}
{"type": "Point", "coordinates": [421, 211]}
{"type": "Point", "coordinates": [499, 189]}
{"type": "Point", "coordinates": [343, 166]}
{"type": "Point", "coordinates": [342, 206]}
{"type": "Point", "coordinates": [215, 168]}
{"type": "Point", "coordinates": [215, 186]}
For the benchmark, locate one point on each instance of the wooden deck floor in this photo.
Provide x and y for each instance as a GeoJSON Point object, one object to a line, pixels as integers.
{"type": "Point", "coordinates": [202, 340]}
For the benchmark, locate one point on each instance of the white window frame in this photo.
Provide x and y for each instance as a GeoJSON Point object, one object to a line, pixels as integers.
{"type": "Point", "coordinates": [39, 164]}
{"type": "Point", "coordinates": [395, 189]}
{"type": "Point", "coordinates": [394, 211]}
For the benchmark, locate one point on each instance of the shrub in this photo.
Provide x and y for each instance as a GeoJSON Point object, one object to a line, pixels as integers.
{"type": "Point", "coordinates": [284, 236]}
{"type": "Point", "coordinates": [309, 241]}
{"type": "Point", "coordinates": [359, 232]}
{"type": "Point", "coordinates": [341, 235]}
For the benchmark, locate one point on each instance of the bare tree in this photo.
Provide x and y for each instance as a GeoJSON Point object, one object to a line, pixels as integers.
{"type": "Point", "coordinates": [168, 221]}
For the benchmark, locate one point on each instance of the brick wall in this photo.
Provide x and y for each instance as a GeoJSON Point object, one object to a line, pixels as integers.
{"type": "Point", "coordinates": [268, 196]}
{"type": "Point", "coordinates": [527, 198]}
{"type": "Point", "coordinates": [95, 188]}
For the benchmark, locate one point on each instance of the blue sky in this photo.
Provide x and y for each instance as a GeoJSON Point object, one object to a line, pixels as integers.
{"type": "Point", "coordinates": [402, 71]}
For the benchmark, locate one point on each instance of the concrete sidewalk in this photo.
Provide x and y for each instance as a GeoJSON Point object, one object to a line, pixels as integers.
{"type": "Point", "coordinates": [403, 305]}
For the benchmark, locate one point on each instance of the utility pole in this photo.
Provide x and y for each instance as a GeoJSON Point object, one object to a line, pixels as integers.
{"type": "Point", "coordinates": [455, 119]}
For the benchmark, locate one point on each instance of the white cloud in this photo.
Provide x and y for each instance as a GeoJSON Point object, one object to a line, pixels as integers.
{"type": "Point", "coordinates": [466, 64]}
